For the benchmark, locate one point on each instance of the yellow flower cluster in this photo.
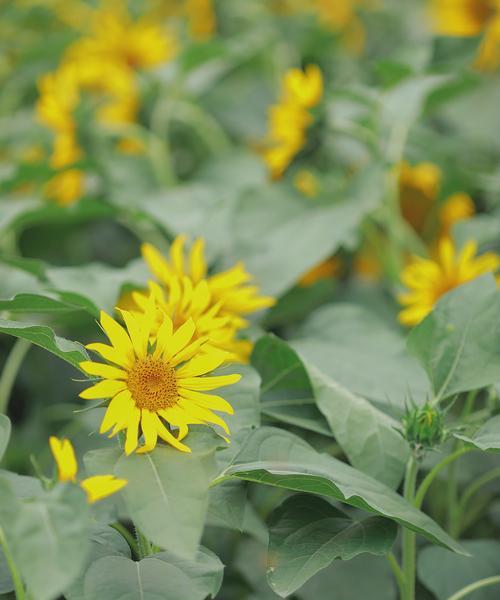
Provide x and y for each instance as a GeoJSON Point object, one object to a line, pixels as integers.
{"type": "Point", "coordinates": [177, 333]}
{"type": "Point", "coordinates": [290, 117]}
{"type": "Point", "coordinates": [465, 18]}
{"type": "Point", "coordinates": [97, 487]}
{"type": "Point", "coordinates": [103, 64]}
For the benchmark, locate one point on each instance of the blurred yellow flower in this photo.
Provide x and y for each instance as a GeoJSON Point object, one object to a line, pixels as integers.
{"type": "Point", "coordinates": [289, 119]}
{"type": "Point", "coordinates": [201, 18]}
{"type": "Point", "coordinates": [418, 192]}
{"type": "Point", "coordinates": [457, 207]}
{"type": "Point", "coordinates": [306, 183]}
{"type": "Point", "coordinates": [181, 299]}
{"type": "Point", "coordinates": [229, 289]}
{"type": "Point", "coordinates": [66, 187]}
{"type": "Point", "coordinates": [97, 487]}
{"type": "Point", "coordinates": [464, 18]}
{"type": "Point", "coordinates": [427, 280]}
{"type": "Point", "coordinates": [327, 269]}
{"type": "Point", "coordinates": [154, 388]}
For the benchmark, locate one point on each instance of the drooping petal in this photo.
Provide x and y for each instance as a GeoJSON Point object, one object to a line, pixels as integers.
{"type": "Point", "coordinates": [207, 400]}
{"type": "Point", "coordinates": [99, 487]}
{"type": "Point", "coordinates": [131, 439]}
{"type": "Point", "coordinates": [202, 384]}
{"type": "Point", "coordinates": [64, 455]}
{"type": "Point", "coordinates": [148, 426]}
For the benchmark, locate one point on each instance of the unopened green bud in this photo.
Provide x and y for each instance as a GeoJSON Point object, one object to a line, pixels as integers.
{"type": "Point", "coordinates": [423, 426]}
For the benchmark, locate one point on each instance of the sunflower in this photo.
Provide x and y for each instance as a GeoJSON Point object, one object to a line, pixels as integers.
{"type": "Point", "coordinates": [230, 289]}
{"type": "Point", "coordinates": [156, 389]}
{"type": "Point", "coordinates": [427, 280]}
{"type": "Point", "coordinates": [182, 300]}
{"type": "Point", "coordinates": [97, 487]}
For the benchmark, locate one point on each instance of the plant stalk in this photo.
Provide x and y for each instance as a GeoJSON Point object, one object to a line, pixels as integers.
{"type": "Point", "coordinates": [10, 370]}
{"type": "Point", "coordinates": [475, 586]}
{"type": "Point", "coordinates": [14, 573]}
{"type": "Point", "coordinates": [409, 537]}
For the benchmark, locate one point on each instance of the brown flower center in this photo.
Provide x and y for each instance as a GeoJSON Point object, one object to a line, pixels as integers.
{"type": "Point", "coordinates": [153, 384]}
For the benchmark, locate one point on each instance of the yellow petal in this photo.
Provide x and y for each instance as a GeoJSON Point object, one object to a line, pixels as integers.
{"type": "Point", "coordinates": [208, 383]}
{"type": "Point", "coordinates": [117, 335]}
{"type": "Point", "coordinates": [111, 354]}
{"type": "Point", "coordinates": [148, 426]}
{"type": "Point", "coordinates": [204, 414]}
{"type": "Point", "coordinates": [177, 254]}
{"type": "Point", "coordinates": [64, 455]}
{"type": "Point", "coordinates": [117, 411]}
{"type": "Point", "coordinates": [139, 333]}
{"type": "Point", "coordinates": [207, 400]}
{"type": "Point", "coordinates": [180, 339]}
{"type": "Point", "coordinates": [101, 370]}
{"type": "Point", "coordinates": [200, 365]}
{"type": "Point", "coordinates": [197, 264]}
{"type": "Point", "coordinates": [101, 486]}
{"type": "Point", "coordinates": [168, 437]}
{"type": "Point", "coordinates": [132, 432]}
{"type": "Point", "coordinates": [103, 389]}
{"type": "Point", "coordinates": [156, 262]}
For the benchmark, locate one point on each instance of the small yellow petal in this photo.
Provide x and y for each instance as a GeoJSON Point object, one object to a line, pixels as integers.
{"type": "Point", "coordinates": [64, 455]}
{"type": "Point", "coordinates": [99, 487]}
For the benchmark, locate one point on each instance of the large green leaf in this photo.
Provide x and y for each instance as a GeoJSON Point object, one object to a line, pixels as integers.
{"type": "Point", "coordinates": [444, 573]}
{"type": "Point", "coordinates": [362, 353]}
{"type": "Point", "coordinates": [279, 458]}
{"type": "Point", "coordinates": [119, 578]}
{"type": "Point", "coordinates": [104, 541]}
{"type": "Point", "coordinates": [48, 537]}
{"type": "Point", "coordinates": [277, 233]}
{"type": "Point", "coordinates": [44, 336]}
{"type": "Point", "coordinates": [5, 428]}
{"type": "Point", "coordinates": [458, 344]}
{"type": "Point", "coordinates": [286, 392]}
{"type": "Point", "coordinates": [205, 571]}
{"type": "Point", "coordinates": [167, 492]}
{"type": "Point", "coordinates": [308, 533]}
{"type": "Point", "coordinates": [368, 436]}
{"type": "Point", "coordinates": [487, 437]}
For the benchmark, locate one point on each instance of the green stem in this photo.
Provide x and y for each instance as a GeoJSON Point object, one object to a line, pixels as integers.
{"type": "Point", "coordinates": [143, 544]}
{"type": "Point", "coordinates": [473, 488]}
{"type": "Point", "coordinates": [397, 572]}
{"type": "Point", "coordinates": [475, 586]}
{"type": "Point", "coordinates": [129, 538]}
{"type": "Point", "coordinates": [409, 537]}
{"type": "Point", "coordinates": [426, 483]}
{"type": "Point", "coordinates": [14, 573]}
{"type": "Point", "coordinates": [9, 373]}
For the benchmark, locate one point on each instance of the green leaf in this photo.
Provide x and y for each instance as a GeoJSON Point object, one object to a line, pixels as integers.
{"type": "Point", "coordinates": [48, 537]}
{"type": "Point", "coordinates": [307, 534]}
{"type": "Point", "coordinates": [265, 221]}
{"type": "Point", "coordinates": [279, 458]}
{"type": "Point", "coordinates": [286, 391]}
{"type": "Point", "coordinates": [104, 541]}
{"type": "Point", "coordinates": [167, 492]}
{"type": "Point", "coordinates": [5, 429]}
{"type": "Point", "coordinates": [37, 303]}
{"type": "Point", "coordinates": [445, 573]}
{"type": "Point", "coordinates": [487, 437]}
{"type": "Point", "coordinates": [458, 344]}
{"type": "Point", "coordinates": [362, 353]}
{"type": "Point", "coordinates": [227, 505]}
{"type": "Point", "coordinates": [119, 578]}
{"type": "Point", "coordinates": [205, 572]}
{"type": "Point", "coordinates": [44, 336]}
{"type": "Point", "coordinates": [368, 436]}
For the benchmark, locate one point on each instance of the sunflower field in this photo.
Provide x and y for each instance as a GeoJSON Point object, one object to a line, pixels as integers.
{"type": "Point", "coordinates": [249, 299]}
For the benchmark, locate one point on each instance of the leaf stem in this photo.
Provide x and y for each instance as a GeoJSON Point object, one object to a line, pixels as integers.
{"type": "Point", "coordinates": [14, 573]}
{"type": "Point", "coordinates": [397, 571]}
{"type": "Point", "coordinates": [475, 586]}
{"type": "Point", "coordinates": [144, 547]}
{"type": "Point", "coordinates": [426, 483]}
{"type": "Point", "coordinates": [409, 537]}
{"type": "Point", "coordinates": [10, 370]}
{"type": "Point", "coordinates": [129, 538]}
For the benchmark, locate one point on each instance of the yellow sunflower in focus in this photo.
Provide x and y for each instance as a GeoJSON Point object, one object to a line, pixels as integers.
{"type": "Point", "coordinates": [156, 390]}
{"type": "Point", "coordinates": [97, 487]}
{"type": "Point", "coordinates": [230, 290]}
{"type": "Point", "coordinates": [465, 18]}
{"type": "Point", "coordinates": [427, 279]}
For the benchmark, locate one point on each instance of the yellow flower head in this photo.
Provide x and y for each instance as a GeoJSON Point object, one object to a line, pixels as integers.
{"type": "Point", "coordinates": [66, 187]}
{"type": "Point", "coordinates": [201, 18]}
{"type": "Point", "coordinates": [96, 487]}
{"type": "Point", "coordinates": [456, 208]}
{"type": "Point", "coordinates": [181, 300]}
{"type": "Point", "coordinates": [156, 390]}
{"type": "Point", "coordinates": [304, 88]}
{"type": "Point", "coordinates": [427, 279]}
{"type": "Point", "coordinates": [59, 97]}
{"type": "Point", "coordinates": [462, 17]}
{"type": "Point", "coordinates": [418, 189]}
{"type": "Point", "coordinates": [229, 289]}
{"type": "Point", "coordinates": [115, 36]}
